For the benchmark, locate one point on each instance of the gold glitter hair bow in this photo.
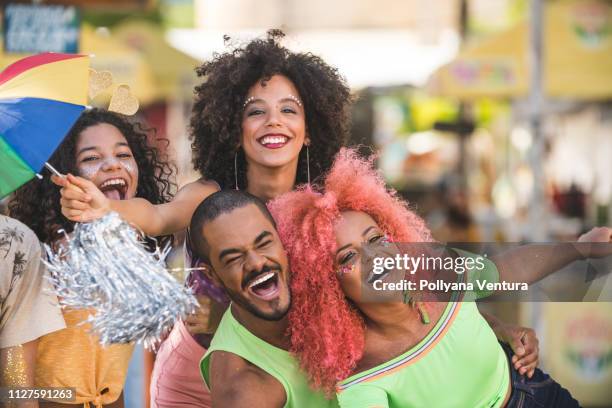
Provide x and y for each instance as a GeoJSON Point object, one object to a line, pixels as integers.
{"type": "Point", "coordinates": [122, 100]}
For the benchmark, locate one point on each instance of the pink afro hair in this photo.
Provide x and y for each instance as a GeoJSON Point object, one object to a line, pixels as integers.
{"type": "Point", "coordinates": [327, 331]}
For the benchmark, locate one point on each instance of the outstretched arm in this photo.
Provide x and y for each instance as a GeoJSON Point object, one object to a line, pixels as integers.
{"type": "Point", "coordinates": [530, 263]}
{"type": "Point", "coordinates": [82, 201]}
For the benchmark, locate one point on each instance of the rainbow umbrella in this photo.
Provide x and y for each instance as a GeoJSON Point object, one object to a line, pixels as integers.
{"type": "Point", "coordinates": [40, 99]}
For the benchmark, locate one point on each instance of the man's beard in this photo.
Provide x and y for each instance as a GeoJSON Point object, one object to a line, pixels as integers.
{"type": "Point", "coordinates": [274, 316]}
{"type": "Point", "coordinates": [277, 313]}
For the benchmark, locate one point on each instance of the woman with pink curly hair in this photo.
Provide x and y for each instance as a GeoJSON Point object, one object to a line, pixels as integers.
{"type": "Point", "coordinates": [389, 352]}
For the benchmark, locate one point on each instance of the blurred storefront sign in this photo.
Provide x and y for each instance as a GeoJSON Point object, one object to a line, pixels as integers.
{"type": "Point", "coordinates": [40, 28]}
{"type": "Point", "coordinates": [579, 356]}
{"type": "Point", "coordinates": [578, 50]}
{"type": "Point", "coordinates": [577, 57]}
{"type": "Point", "coordinates": [492, 16]}
{"type": "Point", "coordinates": [485, 73]}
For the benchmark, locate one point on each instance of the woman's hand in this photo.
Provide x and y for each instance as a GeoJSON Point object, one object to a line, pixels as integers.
{"type": "Point", "coordinates": [524, 343]}
{"type": "Point", "coordinates": [198, 322]}
{"type": "Point", "coordinates": [82, 200]}
{"type": "Point", "coordinates": [597, 243]}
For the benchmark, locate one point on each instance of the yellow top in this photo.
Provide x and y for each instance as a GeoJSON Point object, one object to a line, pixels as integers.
{"type": "Point", "coordinates": [73, 358]}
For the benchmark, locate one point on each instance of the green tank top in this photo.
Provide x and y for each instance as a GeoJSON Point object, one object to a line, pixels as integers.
{"type": "Point", "coordinates": [232, 337]}
{"type": "Point", "coordinates": [458, 364]}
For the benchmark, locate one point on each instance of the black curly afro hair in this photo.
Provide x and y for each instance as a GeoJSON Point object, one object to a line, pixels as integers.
{"type": "Point", "coordinates": [216, 121]}
{"type": "Point", "coordinates": [37, 203]}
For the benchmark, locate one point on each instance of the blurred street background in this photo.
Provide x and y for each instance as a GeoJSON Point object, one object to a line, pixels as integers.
{"type": "Point", "coordinates": [493, 117]}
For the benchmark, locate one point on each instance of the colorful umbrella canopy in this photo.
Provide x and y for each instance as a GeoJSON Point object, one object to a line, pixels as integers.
{"type": "Point", "coordinates": [40, 99]}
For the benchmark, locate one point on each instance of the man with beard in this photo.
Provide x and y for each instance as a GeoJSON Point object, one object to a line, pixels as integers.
{"type": "Point", "coordinates": [248, 363]}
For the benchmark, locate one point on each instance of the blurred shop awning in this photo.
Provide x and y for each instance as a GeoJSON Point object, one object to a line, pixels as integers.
{"type": "Point", "coordinates": [577, 58]}
{"type": "Point", "coordinates": [173, 71]}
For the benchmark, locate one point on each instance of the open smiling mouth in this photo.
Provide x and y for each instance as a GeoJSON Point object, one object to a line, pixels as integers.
{"type": "Point", "coordinates": [264, 286]}
{"type": "Point", "coordinates": [114, 189]}
{"type": "Point", "coordinates": [273, 141]}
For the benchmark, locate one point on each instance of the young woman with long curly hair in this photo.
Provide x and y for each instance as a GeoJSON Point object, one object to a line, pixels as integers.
{"type": "Point", "coordinates": [385, 352]}
{"type": "Point", "coordinates": [115, 156]}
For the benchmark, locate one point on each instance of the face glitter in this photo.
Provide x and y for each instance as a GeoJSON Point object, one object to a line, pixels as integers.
{"type": "Point", "coordinates": [88, 171]}
{"type": "Point", "coordinates": [343, 270]}
{"type": "Point", "coordinates": [296, 100]}
{"type": "Point", "coordinates": [249, 100]}
{"type": "Point", "coordinates": [129, 166]}
{"type": "Point", "coordinates": [91, 170]}
{"type": "Point", "coordinates": [290, 96]}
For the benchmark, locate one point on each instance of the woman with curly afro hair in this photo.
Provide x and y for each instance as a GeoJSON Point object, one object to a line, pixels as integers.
{"type": "Point", "coordinates": [115, 156]}
{"type": "Point", "coordinates": [377, 347]}
{"type": "Point", "coordinates": [265, 119]}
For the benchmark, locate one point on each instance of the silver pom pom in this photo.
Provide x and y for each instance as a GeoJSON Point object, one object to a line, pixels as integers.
{"type": "Point", "coordinates": [106, 267]}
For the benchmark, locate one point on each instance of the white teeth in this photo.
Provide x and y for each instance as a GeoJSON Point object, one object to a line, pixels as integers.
{"type": "Point", "coordinates": [113, 182]}
{"type": "Point", "coordinates": [262, 279]}
{"type": "Point", "coordinates": [274, 139]}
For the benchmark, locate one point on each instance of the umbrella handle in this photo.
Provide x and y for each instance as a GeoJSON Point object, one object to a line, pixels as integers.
{"type": "Point", "coordinates": [53, 170]}
{"type": "Point", "coordinates": [58, 174]}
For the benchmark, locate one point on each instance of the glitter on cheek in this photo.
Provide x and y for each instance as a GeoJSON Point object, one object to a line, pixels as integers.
{"type": "Point", "coordinates": [88, 171]}
{"type": "Point", "coordinates": [130, 166]}
{"type": "Point", "coordinates": [14, 372]}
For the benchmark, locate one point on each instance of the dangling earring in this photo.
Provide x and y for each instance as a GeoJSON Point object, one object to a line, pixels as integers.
{"type": "Point", "coordinates": [236, 169]}
{"type": "Point", "coordinates": [418, 305]}
{"type": "Point", "coordinates": [308, 164]}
